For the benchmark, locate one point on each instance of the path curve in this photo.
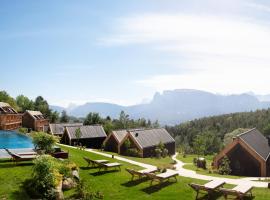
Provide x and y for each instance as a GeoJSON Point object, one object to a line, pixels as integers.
{"type": "Point", "coordinates": [192, 174]}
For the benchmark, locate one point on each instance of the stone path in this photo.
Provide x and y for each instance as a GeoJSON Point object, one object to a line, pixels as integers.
{"type": "Point", "coordinates": [192, 174]}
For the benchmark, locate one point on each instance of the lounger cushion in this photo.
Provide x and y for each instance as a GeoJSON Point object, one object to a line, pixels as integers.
{"type": "Point", "coordinates": [167, 174]}
{"type": "Point", "coordinates": [242, 188]}
{"type": "Point", "coordinates": [112, 164]}
{"type": "Point", "coordinates": [214, 184]}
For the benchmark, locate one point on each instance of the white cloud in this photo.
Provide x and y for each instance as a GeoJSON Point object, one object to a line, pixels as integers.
{"type": "Point", "coordinates": [258, 6]}
{"type": "Point", "coordinates": [229, 54]}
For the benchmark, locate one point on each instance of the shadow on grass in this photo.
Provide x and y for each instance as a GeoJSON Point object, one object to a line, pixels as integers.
{"type": "Point", "coordinates": [217, 195]}
{"type": "Point", "coordinates": [135, 182]}
{"type": "Point", "coordinates": [156, 188]}
{"type": "Point", "coordinates": [99, 173]}
{"type": "Point", "coordinates": [87, 168]}
{"type": "Point", "coordinates": [13, 165]}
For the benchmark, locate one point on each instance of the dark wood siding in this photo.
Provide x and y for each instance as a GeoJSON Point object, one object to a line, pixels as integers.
{"type": "Point", "coordinates": [95, 143]}
{"type": "Point", "coordinates": [242, 163]}
{"type": "Point", "coordinates": [111, 145]}
{"type": "Point", "coordinates": [28, 121]}
{"type": "Point", "coordinates": [150, 151]}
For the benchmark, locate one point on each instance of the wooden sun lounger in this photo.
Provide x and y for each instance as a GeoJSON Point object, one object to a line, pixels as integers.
{"type": "Point", "coordinates": [209, 187]}
{"type": "Point", "coordinates": [140, 173]}
{"type": "Point", "coordinates": [106, 166]}
{"type": "Point", "coordinates": [18, 158]}
{"type": "Point", "coordinates": [21, 157]}
{"type": "Point", "coordinates": [94, 163]}
{"type": "Point", "coordinates": [162, 177]}
{"type": "Point", "coordinates": [240, 191]}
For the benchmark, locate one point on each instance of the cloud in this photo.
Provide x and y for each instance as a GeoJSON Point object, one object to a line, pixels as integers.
{"type": "Point", "coordinates": [230, 54]}
{"type": "Point", "coordinates": [258, 6]}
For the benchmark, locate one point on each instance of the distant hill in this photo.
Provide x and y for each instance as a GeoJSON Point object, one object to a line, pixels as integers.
{"type": "Point", "coordinates": [173, 107]}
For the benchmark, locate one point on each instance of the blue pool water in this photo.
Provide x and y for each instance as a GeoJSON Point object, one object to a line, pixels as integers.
{"type": "Point", "coordinates": [13, 140]}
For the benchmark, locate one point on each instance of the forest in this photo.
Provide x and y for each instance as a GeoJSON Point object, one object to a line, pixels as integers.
{"type": "Point", "coordinates": [210, 132]}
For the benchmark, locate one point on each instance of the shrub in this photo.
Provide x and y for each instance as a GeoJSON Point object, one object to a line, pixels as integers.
{"type": "Point", "coordinates": [165, 153]}
{"type": "Point", "coordinates": [45, 176]}
{"type": "Point", "coordinates": [48, 173]}
{"type": "Point", "coordinates": [44, 141]}
{"type": "Point", "coordinates": [132, 152]}
{"type": "Point", "coordinates": [224, 167]}
{"type": "Point", "coordinates": [158, 152]}
{"type": "Point", "coordinates": [83, 194]}
{"type": "Point", "coordinates": [23, 130]}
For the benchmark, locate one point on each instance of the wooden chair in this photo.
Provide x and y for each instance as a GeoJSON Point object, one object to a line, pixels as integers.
{"type": "Point", "coordinates": [106, 166]}
{"type": "Point", "coordinates": [160, 178]}
{"type": "Point", "coordinates": [140, 174]}
{"type": "Point", "coordinates": [18, 158]}
{"type": "Point", "coordinates": [25, 156]}
{"type": "Point", "coordinates": [240, 191]}
{"type": "Point", "coordinates": [93, 163]}
{"type": "Point", "coordinates": [209, 187]}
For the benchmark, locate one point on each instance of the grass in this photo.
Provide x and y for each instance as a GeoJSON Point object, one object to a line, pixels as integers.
{"type": "Point", "coordinates": [188, 159]}
{"type": "Point", "coordinates": [114, 185]}
{"type": "Point", "coordinates": [161, 163]}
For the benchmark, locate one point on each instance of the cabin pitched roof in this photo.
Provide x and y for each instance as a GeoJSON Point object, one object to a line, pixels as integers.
{"type": "Point", "coordinates": [6, 108]}
{"type": "Point", "coordinates": [59, 128]}
{"type": "Point", "coordinates": [37, 115]}
{"type": "Point", "coordinates": [120, 134]}
{"type": "Point", "coordinates": [257, 142]}
{"type": "Point", "coordinates": [94, 131]}
{"type": "Point", "coordinates": [151, 137]}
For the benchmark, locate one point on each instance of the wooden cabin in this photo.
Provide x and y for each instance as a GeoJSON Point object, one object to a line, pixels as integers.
{"type": "Point", "coordinates": [34, 120]}
{"type": "Point", "coordinates": [248, 154]}
{"type": "Point", "coordinates": [113, 141]}
{"type": "Point", "coordinates": [59, 128]}
{"type": "Point", "coordinates": [146, 141]}
{"type": "Point", "coordinates": [91, 136]}
{"type": "Point", "coordinates": [10, 119]}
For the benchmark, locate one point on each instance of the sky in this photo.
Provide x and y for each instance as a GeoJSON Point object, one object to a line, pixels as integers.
{"type": "Point", "coordinates": [124, 51]}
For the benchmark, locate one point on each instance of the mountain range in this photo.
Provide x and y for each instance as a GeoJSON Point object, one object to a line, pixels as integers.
{"type": "Point", "coordinates": [176, 106]}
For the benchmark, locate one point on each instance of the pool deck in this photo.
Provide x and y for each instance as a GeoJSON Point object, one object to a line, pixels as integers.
{"type": "Point", "coordinates": [4, 154]}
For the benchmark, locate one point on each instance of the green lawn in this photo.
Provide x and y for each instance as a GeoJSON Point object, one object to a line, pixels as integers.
{"type": "Point", "coordinates": [188, 159]}
{"type": "Point", "coordinates": [161, 163]}
{"type": "Point", "coordinates": [114, 185]}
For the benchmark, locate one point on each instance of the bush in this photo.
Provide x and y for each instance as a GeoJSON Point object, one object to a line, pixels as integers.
{"type": "Point", "coordinates": [45, 176]}
{"type": "Point", "coordinates": [48, 173]}
{"type": "Point", "coordinates": [224, 167]}
{"type": "Point", "coordinates": [132, 152]}
{"type": "Point", "coordinates": [83, 194]}
{"type": "Point", "coordinates": [23, 130]}
{"type": "Point", "coordinates": [44, 141]}
{"type": "Point", "coordinates": [165, 153]}
{"type": "Point", "coordinates": [158, 152]}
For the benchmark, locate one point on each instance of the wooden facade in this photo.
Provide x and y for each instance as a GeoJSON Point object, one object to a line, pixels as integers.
{"type": "Point", "coordinates": [145, 141]}
{"type": "Point", "coordinates": [9, 118]}
{"type": "Point", "coordinates": [248, 154]}
{"type": "Point", "coordinates": [34, 120]}
{"type": "Point", "coordinates": [91, 136]}
{"type": "Point", "coordinates": [113, 141]}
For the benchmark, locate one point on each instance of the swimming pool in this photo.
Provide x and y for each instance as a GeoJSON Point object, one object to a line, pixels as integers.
{"type": "Point", "coordinates": [14, 140]}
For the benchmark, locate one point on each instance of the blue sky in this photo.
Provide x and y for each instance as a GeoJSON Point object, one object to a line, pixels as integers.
{"type": "Point", "coordinates": [124, 51]}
